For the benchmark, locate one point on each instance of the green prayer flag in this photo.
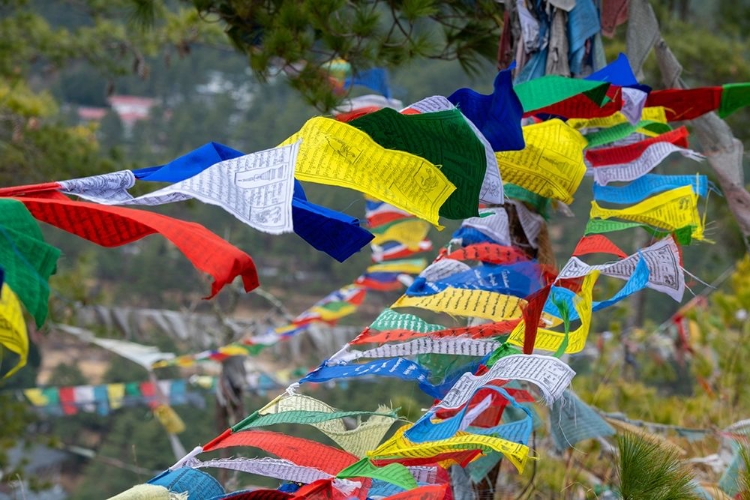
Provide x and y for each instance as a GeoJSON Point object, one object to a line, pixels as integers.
{"type": "Point", "coordinates": [303, 417]}
{"type": "Point", "coordinates": [540, 203]}
{"type": "Point", "coordinates": [683, 235]}
{"type": "Point", "coordinates": [612, 134]}
{"type": "Point", "coordinates": [501, 352]}
{"type": "Point", "coordinates": [443, 138]}
{"type": "Point", "coordinates": [733, 97]}
{"type": "Point", "coordinates": [547, 90]}
{"type": "Point", "coordinates": [27, 260]}
{"type": "Point", "coordinates": [391, 320]}
{"type": "Point", "coordinates": [392, 473]}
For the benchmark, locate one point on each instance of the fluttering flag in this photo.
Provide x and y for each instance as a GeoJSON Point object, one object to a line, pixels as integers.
{"type": "Point", "coordinates": [625, 133]}
{"type": "Point", "coordinates": [300, 409]}
{"type": "Point", "coordinates": [655, 114]}
{"type": "Point", "coordinates": [597, 243]}
{"type": "Point", "coordinates": [355, 107]}
{"type": "Point", "coordinates": [670, 210]}
{"type": "Point", "coordinates": [551, 165]}
{"type": "Point", "coordinates": [443, 138]}
{"type": "Point", "coordinates": [653, 154]}
{"type": "Point", "coordinates": [13, 335]}
{"type": "Point", "coordinates": [566, 97]}
{"type": "Point", "coordinates": [326, 230]}
{"type": "Point", "coordinates": [492, 185]}
{"type": "Point", "coordinates": [333, 306]}
{"type": "Point", "coordinates": [297, 450]}
{"type": "Point", "coordinates": [399, 446]}
{"type": "Point", "coordinates": [27, 261]}
{"type": "Point", "coordinates": [688, 104]}
{"type": "Point", "coordinates": [549, 340]}
{"type": "Point", "coordinates": [649, 185]}
{"type": "Point", "coordinates": [598, 226]}
{"type": "Point", "coordinates": [572, 421]}
{"type": "Point", "coordinates": [257, 189]}
{"type": "Point", "coordinates": [459, 302]}
{"type": "Point", "coordinates": [497, 116]}
{"type": "Point", "coordinates": [338, 154]}
{"type": "Point", "coordinates": [626, 154]}
{"type": "Point", "coordinates": [662, 259]}
{"type": "Point", "coordinates": [116, 226]}
{"type": "Point", "coordinates": [374, 79]}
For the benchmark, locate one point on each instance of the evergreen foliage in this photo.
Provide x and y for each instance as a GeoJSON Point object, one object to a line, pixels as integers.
{"type": "Point", "coordinates": [646, 470]}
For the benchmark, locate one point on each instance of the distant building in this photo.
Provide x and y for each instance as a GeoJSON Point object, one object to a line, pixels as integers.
{"type": "Point", "coordinates": [131, 108]}
{"type": "Point", "coordinates": [86, 113]}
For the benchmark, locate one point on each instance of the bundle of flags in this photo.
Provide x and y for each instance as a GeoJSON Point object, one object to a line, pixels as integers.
{"type": "Point", "coordinates": [440, 157]}
{"type": "Point", "coordinates": [523, 314]}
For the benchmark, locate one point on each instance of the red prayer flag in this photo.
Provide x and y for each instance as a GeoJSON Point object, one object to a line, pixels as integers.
{"type": "Point", "coordinates": [625, 154]}
{"type": "Point", "coordinates": [462, 457]}
{"type": "Point", "coordinates": [597, 243]}
{"type": "Point", "coordinates": [532, 313]}
{"type": "Point", "coordinates": [686, 104]}
{"type": "Point", "coordinates": [431, 492]}
{"type": "Point", "coordinates": [581, 106]}
{"type": "Point", "coordinates": [490, 253]}
{"type": "Point", "coordinates": [115, 226]}
{"type": "Point", "coordinates": [68, 400]}
{"type": "Point", "coordinates": [297, 450]}
{"type": "Point", "coordinates": [369, 336]}
{"type": "Point", "coordinates": [263, 494]}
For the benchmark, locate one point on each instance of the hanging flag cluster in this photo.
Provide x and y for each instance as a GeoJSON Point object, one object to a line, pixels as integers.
{"type": "Point", "coordinates": [102, 399]}
{"type": "Point", "coordinates": [497, 162]}
{"type": "Point", "coordinates": [497, 272]}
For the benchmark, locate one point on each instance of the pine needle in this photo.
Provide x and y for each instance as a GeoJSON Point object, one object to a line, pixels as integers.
{"type": "Point", "coordinates": [647, 470]}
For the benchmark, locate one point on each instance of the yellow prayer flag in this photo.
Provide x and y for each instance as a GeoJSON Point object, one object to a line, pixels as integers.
{"type": "Point", "coordinates": [116, 393]}
{"type": "Point", "coordinates": [670, 210]}
{"type": "Point", "coordinates": [233, 350]}
{"type": "Point", "coordinates": [338, 154]}
{"type": "Point", "coordinates": [13, 335]}
{"type": "Point", "coordinates": [332, 314]}
{"type": "Point", "coordinates": [551, 165]}
{"type": "Point", "coordinates": [654, 113]}
{"type": "Point", "coordinates": [409, 232]}
{"type": "Point", "coordinates": [411, 266]}
{"type": "Point", "coordinates": [400, 446]}
{"type": "Point", "coordinates": [550, 340]}
{"type": "Point", "coordinates": [459, 302]}
{"type": "Point", "coordinates": [36, 397]}
{"type": "Point", "coordinates": [171, 421]}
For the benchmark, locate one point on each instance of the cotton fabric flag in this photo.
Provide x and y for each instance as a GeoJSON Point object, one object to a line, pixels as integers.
{"type": "Point", "coordinates": [28, 262]}
{"type": "Point", "coordinates": [670, 210]}
{"type": "Point", "coordinates": [338, 154]}
{"type": "Point", "coordinates": [256, 188]}
{"type": "Point", "coordinates": [13, 335]}
{"type": "Point", "coordinates": [497, 116]}
{"type": "Point", "coordinates": [649, 185]}
{"type": "Point", "coordinates": [443, 138]}
{"type": "Point", "coordinates": [116, 226]}
{"type": "Point", "coordinates": [572, 421]}
{"type": "Point", "coordinates": [492, 185]}
{"type": "Point", "coordinates": [552, 163]}
{"type": "Point", "coordinates": [297, 450]}
{"type": "Point", "coordinates": [326, 230]}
